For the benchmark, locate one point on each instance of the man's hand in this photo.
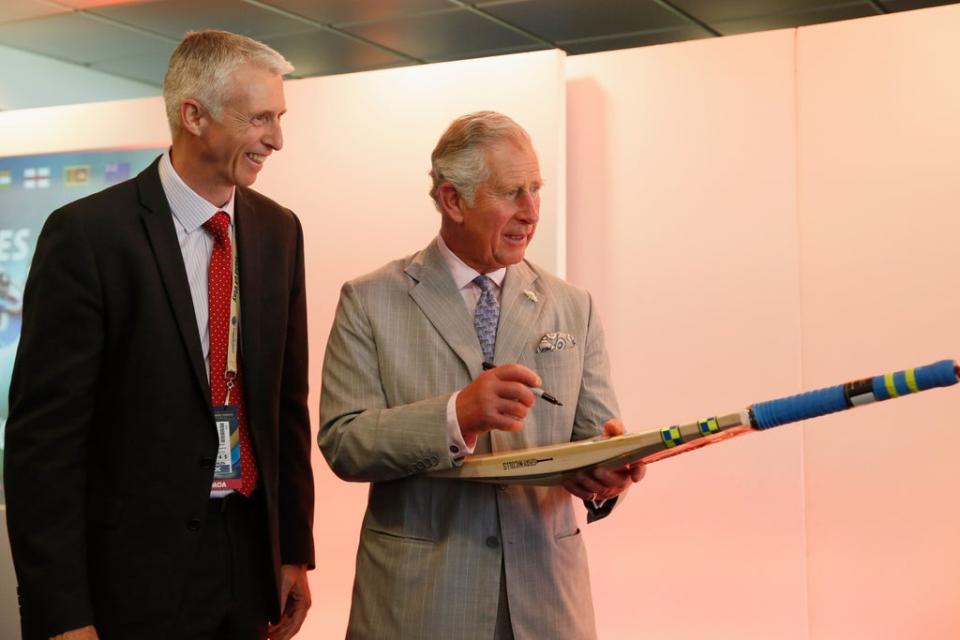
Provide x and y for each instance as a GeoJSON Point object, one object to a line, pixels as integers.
{"type": "Point", "coordinates": [294, 602]}
{"type": "Point", "coordinates": [602, 484]}
{"type": "Point", "coordinates": [83, 633]}
{"type": "Point", "coordinates": [496, 399]}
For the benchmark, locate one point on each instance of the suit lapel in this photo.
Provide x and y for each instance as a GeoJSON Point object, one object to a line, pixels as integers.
{"type": "Point", "coordinates": [520, 306]}
{"type": "Point", "coordinates": [248, 238]}
{"type": "Point", "coordinates": [438, 297]}
{"type": "Point", "coordinates": [158, 222]}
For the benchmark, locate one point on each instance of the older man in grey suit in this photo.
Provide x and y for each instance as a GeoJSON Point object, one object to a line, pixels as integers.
{"type": "Point", "coordinates": [433, 356]}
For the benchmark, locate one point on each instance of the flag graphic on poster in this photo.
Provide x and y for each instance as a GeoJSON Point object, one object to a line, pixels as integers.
{"type": "Point", "coordinates": [75, 175]}
{"type": "Point", "coordinates": [36, 178]}
{"type": "Point", "coordinates": [6, 178]}
{"type": "Point", "coordinates": [116, 172]}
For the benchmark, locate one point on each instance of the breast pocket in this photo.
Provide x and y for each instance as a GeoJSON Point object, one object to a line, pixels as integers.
{"type": "Point", "coordinates": [561, 372]}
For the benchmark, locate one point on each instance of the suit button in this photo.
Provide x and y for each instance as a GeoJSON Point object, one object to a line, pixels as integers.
{"type": "Point", "coordinates": [193, 525]}
{"type": "Point", "coordinates": [493, 542]}
{"type": "Point", "coordinates": [206, 463]}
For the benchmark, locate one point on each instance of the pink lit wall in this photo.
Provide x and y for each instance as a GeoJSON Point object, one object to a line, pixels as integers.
{"type": "Point", "coordinates": [879, 138]}
{"type": "Point", "coordinates": [760, 215]}
{"type": "Point", "coordinates": [682, 221]}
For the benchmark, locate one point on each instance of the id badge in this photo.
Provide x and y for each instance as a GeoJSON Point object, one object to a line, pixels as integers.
{"type": "Point", "coordinates": [226, 473]}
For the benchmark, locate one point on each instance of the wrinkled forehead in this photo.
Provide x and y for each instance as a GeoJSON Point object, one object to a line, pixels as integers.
{"type": "Point", "coordinates": [255, 85]}
{"type": "Point", "coordinates": [512, 161]}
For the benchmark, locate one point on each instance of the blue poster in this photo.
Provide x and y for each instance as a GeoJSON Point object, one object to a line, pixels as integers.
{"type": "Point", "coordinates": [31, 188]}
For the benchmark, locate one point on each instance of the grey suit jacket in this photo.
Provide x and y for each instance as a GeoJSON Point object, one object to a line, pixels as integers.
{"type": "Point", "coordinates": [431, 550]}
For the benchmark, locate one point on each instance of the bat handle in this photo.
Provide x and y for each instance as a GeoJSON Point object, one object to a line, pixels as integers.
{"type": "Point", "coordinates": [811, 404]}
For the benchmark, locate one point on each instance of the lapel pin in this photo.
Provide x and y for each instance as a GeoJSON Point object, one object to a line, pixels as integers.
{"type": "Point", "coordinates": [530, 294]}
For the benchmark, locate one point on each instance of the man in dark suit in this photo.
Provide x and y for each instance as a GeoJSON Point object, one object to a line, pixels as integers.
{"type": "Point", "coordinates": [156, 486]}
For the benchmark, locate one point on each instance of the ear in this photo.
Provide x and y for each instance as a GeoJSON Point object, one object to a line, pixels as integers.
{"type": "Point", "coordinates": [451, 202]}
{"type": "Point", "coordinates": [192, 116]}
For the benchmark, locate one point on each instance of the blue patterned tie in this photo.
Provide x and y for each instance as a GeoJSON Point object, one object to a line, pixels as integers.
{"type": "Point", "coordinates": [486, 316]}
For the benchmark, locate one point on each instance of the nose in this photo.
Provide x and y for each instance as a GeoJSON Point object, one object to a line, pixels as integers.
{"type": "Point", "coordinates": [529, 207]}
{"type": "Point", "coordinates": [274, 136]}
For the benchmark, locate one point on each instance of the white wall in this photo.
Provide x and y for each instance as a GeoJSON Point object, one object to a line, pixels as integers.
{"type": "Point", "coordinates": [30, 80]}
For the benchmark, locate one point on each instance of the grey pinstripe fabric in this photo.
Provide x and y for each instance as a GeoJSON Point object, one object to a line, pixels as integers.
{"type": "Point", "coordinates": [429, 559]}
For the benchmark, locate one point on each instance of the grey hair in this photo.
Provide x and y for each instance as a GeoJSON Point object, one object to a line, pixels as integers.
{"type": "Point", "coordinates": [202, 67]}
{"type": "Point", "coordinates": [459, 157]}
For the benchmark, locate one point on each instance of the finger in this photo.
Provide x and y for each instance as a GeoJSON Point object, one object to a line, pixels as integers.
{"type": "Point", "coordinates": [613, 427]}
{"type": "Point", "coordinates": [298, 617]}
{"type": "Point", "coordinates": [517, 373]}
{"type": "Point", "coordinates": [515, 391]}
{"type": "Point", "coordinates": [280, 631]}
{"type": "Point", "coordinates": [637, 471]}
{"type": "Point", "coordinates": [586, 484]}
{"type": "Point", "coordinates": [499, 422]}
{"type": "Point", "coordinates": [611, 478]}
{"type": "Point", "coordinates": [577, 489]}
{"type": "Point", "coordinates": [512, 409]}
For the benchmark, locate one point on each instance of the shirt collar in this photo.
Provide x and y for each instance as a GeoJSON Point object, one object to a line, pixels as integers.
{"type": "Point", "coordinates": [462, 273]}
{"type": "Point", "coordinates": [189, 208]}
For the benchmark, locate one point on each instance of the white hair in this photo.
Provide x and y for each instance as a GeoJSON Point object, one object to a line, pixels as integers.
{"type": "Point", "coordinates": [460, 155]}
{"type": "Point", "coordinates": [202, 68]}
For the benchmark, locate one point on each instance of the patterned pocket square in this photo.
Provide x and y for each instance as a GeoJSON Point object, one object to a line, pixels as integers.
{"type": "Point", "coordinates": [556, 341]}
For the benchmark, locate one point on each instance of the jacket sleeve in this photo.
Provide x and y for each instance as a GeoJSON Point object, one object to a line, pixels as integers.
{"type": "Point", "coordinates": [597, 402]}
{"type": "Point", "coordinates": [296, 475]}
{"type": "Point", "coordinates": [52, 403]}
{"type": "Point", "coordinates": [361, 437]}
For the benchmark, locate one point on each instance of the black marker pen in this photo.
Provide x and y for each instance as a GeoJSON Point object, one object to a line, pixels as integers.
{"type": "Point", "coordinates": [537, 391]}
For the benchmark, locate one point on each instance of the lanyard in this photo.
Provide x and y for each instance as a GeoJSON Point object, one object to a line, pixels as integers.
{"type": "Point", "coordinates": [233, 332]}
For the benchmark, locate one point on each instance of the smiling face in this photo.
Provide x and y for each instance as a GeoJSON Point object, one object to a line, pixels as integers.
{"type": "Point", "coordinates": [230, 150]}
{"type": "Point", "coordinates": [495, 231]}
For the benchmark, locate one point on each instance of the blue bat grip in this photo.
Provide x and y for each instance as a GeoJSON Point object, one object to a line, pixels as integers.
{"type": "Point", "coordinates": [774, 413]}
{"type": "Point", "coordinates": [811, 404]}
{"type": "Point", "coordinates": [893, 385]}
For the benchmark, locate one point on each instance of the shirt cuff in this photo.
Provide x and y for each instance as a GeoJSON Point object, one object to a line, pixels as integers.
{"type": "Point", "coordinates": [455, 442]}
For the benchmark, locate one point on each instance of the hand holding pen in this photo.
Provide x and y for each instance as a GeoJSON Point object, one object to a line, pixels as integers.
{"type": "Point", "coordinates": [498, 399]}
{"type": "Point", "coordinates": [537, 391]}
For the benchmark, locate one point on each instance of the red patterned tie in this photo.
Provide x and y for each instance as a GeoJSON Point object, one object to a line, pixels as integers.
{"type": "Point", "coordinates": [219, 291]}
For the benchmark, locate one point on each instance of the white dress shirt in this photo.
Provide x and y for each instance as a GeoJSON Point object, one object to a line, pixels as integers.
{"type": "Point", "coordinates": [463, 276]}
{"type": "Point", "coordinates": [190, 210]}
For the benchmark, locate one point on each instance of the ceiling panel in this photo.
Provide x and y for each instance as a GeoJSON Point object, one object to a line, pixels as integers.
{"type": "Point", "coordinates": [134, 38]}
{"type": "Point", "coordinates": [26, 9]}
{"type": "Point", "coordinates": [90, 4]}
{"type": "Point", "coordinates": [316, 52]}
{"type": "Point", "coordinates": [447, 35]}
{"type": "Point", "coordinates": [711, 11]}
{"type": "Point", "coordinates": [145, 68]}
{"type": "Point", "coordinates": [630, 40]}
{"type": "Point", "coordinates": [341, 11]}
{"type": "Point", "coordinates": [570, 19]}
{"type": "Point", "coordinates": [79, 38]}
{"type": "Point", "coordinates": [795, 18]}
{"type": "Point", "coordinates": [903, 5]}
{"type": "Point", "coordinates": [173, 18]}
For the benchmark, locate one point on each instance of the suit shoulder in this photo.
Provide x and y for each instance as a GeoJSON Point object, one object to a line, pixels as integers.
{"type": "Point", "coordinates": [558, 286]}
{"type": "Point", "coordinates": [264, 205]}
{"type": "Point", "coordinates": [390, 276]}
{"type": "Point", "coordinates": [105, 205]}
